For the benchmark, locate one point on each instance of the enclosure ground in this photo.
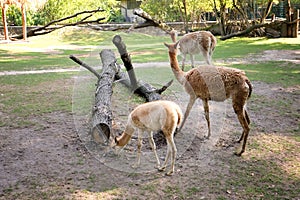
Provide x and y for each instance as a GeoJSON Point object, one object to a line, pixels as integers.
{"type": "Point", "coordinates": [47, 160]}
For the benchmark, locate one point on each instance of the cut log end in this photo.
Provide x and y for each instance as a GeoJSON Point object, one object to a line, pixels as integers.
{"type": "Point", "coordinates": [101, 133]}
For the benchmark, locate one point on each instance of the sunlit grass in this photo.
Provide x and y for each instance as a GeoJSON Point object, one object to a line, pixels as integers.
{"type": "Point", "coordinates": [283, 73]}
{"type": "Point", "coordinates": [52, 50]}
{"type": "Point", "coordinates": [271, 165]}
{"type": "Point", "coordinates": [269, 169]}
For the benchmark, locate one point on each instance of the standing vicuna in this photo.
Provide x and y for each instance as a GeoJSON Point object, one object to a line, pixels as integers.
{"type": "Point", "coordinates": [203, 42]}
{"type": "Point", "coordinates": [153, 116]}
{"type": "Point", "coordinates": [217, 84]}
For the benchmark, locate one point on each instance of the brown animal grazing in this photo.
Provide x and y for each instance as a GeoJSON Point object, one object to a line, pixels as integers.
{"type": "Point", "coordinates": [203, 42]}
{"type": "Point", "coordinates": [216, 84]}
{"type": "Point", "coordinates": [153, 116]}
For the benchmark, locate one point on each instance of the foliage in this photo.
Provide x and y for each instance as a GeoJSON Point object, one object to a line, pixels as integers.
{"type": "Point", "coordinates": [115, 16]}
{"type": "Point", "coordinates": [164, 10]}
{"type": "Point", "coordinates": [56, 9]}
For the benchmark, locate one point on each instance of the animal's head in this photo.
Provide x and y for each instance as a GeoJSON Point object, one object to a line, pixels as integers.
{"type": "Point", "coordinates": [120, 140]}
{"type": "Point", "coordinates": [114, 142]}
{"type": "Point", "coordinates": [173, 48]}
{"type": "Point", "coordinates": [115, 145]}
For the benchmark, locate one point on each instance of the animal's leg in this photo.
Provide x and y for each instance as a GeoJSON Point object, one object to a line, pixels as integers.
{"type": "Point", "coordinates": [173, 149]}
{"type": "Point", "coordinates": [206, 113]}
{"type": "Point", "coordinates": [163, 167]}
{"type": "Point", "coordinates": [248, 121]}
{"type": "Point", "coordinates": [243, 121]}
{"type": "Point", "coordinates": [187, 112]}
{"type": "Point", "coordinates": [153, 146]}
{"type": "Point", "coordinates": [183, 61]}
{"type": "Point", "coordinates": [192, 60]}
{"type": "Point", "coordinates": [207, 57]}
{"type": "Point", "coordinates": [140, 142]}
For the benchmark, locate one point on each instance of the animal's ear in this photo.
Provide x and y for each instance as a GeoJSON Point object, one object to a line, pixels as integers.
{"type": "Point", "coordinates": [167, 45]}
{"type": "Point", "coordinates": [176, 45]}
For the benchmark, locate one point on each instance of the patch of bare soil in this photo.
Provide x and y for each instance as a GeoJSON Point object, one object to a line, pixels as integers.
{"type": "Point", "coordinates": [52, 162]}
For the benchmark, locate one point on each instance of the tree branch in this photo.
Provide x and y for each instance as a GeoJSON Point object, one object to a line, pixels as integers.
{"type": "Point", "coordinates": [85, 66]}
{"type": "Point", "coordinates": [244, 32]}
{"type": "Point", "coordinates": [47, 29]}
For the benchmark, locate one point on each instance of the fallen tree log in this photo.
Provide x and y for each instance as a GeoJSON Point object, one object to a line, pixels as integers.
{"type": "Point", "coordinates": [141, 88]}
{"type": "Point", "coordinates": [244, 32]}
{"type": "Point", "coordinates": [276, 25]}
{"type": "Point", "coordinates": [101, 121]}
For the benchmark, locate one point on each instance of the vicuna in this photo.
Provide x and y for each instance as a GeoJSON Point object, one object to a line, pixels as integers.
{"type": "Point", "coordinates": [216, 84]}
{"type": "Point", "coordinates": [153, 116]}
{"type": "Point", "coordinates": [203, 42]}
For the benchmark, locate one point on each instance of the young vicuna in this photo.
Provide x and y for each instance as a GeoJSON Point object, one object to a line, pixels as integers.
{"type": "Point", "coordinates": [216, 84]}
{"type": "Point", "coordinates": [154, 116]}
{"type": "Point", "coordinates": [203, 42]}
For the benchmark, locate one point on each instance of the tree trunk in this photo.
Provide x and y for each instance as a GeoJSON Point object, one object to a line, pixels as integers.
{"type": "Point", "coordinates": [101, 113]}
{"type": "Point", "coordinates": [141, 88]}
{"type": "Point", "coordinates": [4, 20]}
{"type": "Point", "coordinates": [24, 23]}
{"type": "Point", "coordinates": [267, 11]}
{"type": "Point", "coordinates": [186, 20]}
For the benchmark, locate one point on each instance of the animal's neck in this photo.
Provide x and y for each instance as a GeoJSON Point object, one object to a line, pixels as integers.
{"type": "Point", "coordinates": [125, 137]}
{"type": "Point", "coordinates": [179, 74]}
{"type": "Point", "coordinates": [173, 37]}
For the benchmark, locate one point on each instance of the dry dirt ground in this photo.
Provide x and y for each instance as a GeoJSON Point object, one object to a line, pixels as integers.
{"type": "Point", "coordinates": [53, 162]}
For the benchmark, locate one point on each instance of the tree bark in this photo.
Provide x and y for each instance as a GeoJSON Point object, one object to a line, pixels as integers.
{"type": "Point", "coordinates": [24, 22]}
{"type": "Point", "coordinates": [267, 11]}
{"type": "Point", "coordinates": [141, 88]}
{"type": "Point", "coordinates": [244, 32]}
{"type": "Point", "coordinates": [4, 20]}
{"type": "Point", "coordinates": [101, 123]}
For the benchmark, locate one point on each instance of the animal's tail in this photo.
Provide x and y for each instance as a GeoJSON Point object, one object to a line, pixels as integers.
{"type": "Point", "coordinates": [250, 87]}
{"type": "Point", "coordinates": [180, 118]}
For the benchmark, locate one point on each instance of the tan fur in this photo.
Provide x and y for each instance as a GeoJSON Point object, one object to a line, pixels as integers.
{"type": "Point", "coordinates": [149, 117]}
{"type": "Point", "coordinates": [203, 42]}
{"type": "Point", "coordinates": [217, 84]}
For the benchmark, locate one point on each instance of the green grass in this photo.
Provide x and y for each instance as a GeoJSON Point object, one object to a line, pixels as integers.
{"type": "Point", "coordinates": [269, 169]}
{"type": "Point", "coordinates": [30, 95]}
{"type": "Point", "coordinates": [240, 47]}
{"type": "Point", "coordinates": [269, 172]}
{"type": "Point", "coordinates": [52, 50]}
{"type": "Point", "coordinates": [283, 73]}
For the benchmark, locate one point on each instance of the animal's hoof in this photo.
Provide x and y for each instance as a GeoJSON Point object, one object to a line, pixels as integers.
{"type": "Point", "coordinates": [170, 173]}
{"type": "Point", "coordinates": [134, 166]}
{"type": "Point", "coordinates": [238, 153]}
{"type": "Point", "coordinates": [157, 167]}
{"type": "Point", "coordinates": [161, 169]}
